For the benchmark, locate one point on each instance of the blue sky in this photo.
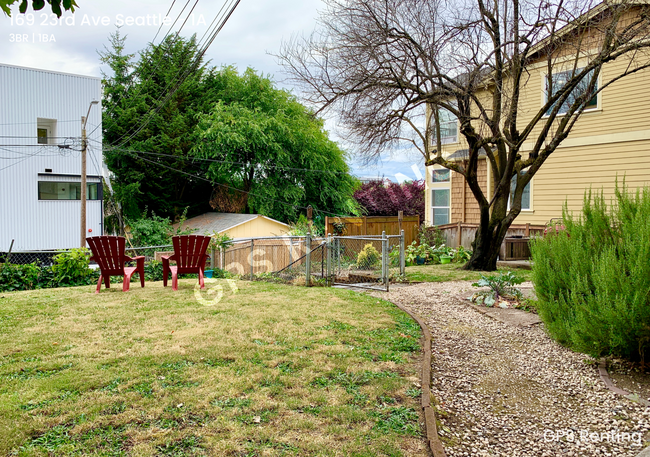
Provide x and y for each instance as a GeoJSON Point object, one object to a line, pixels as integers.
{"type": "Point", "coordinates": [254, 32]}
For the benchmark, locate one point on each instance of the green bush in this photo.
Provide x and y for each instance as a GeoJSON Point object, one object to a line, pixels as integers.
{"type": "Point", "coordinates": [153, 270]}
{"type": "Point", "coordinates": [431, 254]}
{"type": "Point", "coordinates": [369, 258]}
{"type": "Point", "coordinates": [71, 268]}
{"type": "Point", "coordinates": [18, 277]}
{"type": "Point", "coordinates": [593, 280]}
{"type": "Point", "coordinates": [431, 236]}
{"type": "Point", "coordinates": [155, 230]}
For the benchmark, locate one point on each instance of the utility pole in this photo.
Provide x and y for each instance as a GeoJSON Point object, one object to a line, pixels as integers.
{"type": "Point", "coordinates": [84, 119]}
{"type": "Point", "coordinates": [83, 180]}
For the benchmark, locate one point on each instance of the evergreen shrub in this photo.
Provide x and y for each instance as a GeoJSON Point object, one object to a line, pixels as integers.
{"type": "Point", "coordinates": [593, 280]}
{"type": "Point", "coordinates": [369, 258]}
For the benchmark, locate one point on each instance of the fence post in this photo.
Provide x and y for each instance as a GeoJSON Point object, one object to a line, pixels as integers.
{"type": "Point", "coordinates": [213, 255]}
{"type": "Point", "coordinates": [384, 258]}
{"type": "Point", "coordinates": [402, 256]}
{"type": "Point", "coordinates": [223, 257]}
{"type": "Point", "coordinates": [290, 250]}
{"type": "Point", "coordinates": [308, 259]}
{"type": "Point", "coordinates": [251, 257]}
{"type": "Point", "coordinates": [329, 258]}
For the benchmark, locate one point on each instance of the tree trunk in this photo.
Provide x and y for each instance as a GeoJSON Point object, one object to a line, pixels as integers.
{"type": "Point", "coordinates": [485, 251]}
{"type": "Point", "coordinates": [490, 235]}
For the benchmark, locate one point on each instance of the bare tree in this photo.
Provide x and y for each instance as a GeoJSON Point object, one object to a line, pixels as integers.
{"type": "Point", "coordinates": [388, 68]}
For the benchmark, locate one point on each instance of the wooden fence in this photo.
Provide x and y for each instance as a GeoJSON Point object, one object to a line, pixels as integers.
{"type": "Point", "coordinates": [461, 234]}
{"type": "Point", "coordinates": [375, 225]}
{"type": "Point", "coordinates": [263, 255]}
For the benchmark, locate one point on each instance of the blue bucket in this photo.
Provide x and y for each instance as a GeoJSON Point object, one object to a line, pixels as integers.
{"type": "Point", "coordinates": [208, 273]}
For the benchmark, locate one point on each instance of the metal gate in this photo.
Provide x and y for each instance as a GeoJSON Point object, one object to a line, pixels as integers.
{"type": "Point", "coordinates": [367, 262]}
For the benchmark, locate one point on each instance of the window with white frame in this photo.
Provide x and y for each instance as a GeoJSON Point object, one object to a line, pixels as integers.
{"type": "Point", "coordinates": [559, 80]}
{"type": "Point", "coordinates": [525, 196]}
{"type": "Point", "coordinates": [440, 206]}
{"type": "Point", "coordinates": [46, 131]}
{"type": "Point", "coordinates": [440, 175]}
{"type": "Point", "coordinates": [448, 127]}
{"type": "Point", "coordinates": [440, 186]}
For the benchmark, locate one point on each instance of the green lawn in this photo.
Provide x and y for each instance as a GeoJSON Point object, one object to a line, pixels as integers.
{"type": "Point", "coordinates": [454, 272]}
{"type": "Point", "coordinates": [266, 370]}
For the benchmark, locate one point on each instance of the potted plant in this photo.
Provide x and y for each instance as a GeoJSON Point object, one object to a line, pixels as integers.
{"type": "Point", "coordinates": [339, 227]}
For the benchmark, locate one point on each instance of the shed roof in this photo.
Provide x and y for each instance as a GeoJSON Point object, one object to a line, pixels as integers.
{"type": "Point", "coordinates": [218, 222]}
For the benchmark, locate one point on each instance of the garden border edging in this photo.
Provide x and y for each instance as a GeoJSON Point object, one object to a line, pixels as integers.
{"type": "Point", "coordinates": [604, 376]}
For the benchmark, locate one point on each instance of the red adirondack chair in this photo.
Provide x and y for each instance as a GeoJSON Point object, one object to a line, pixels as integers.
{"type": "Point", "coordinates": [108, 252]}
{"type": "Point", "coordinates": [190, 256]}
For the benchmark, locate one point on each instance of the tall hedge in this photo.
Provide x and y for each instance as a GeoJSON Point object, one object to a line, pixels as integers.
{"type": "Point", "coordinates": [593, 280]}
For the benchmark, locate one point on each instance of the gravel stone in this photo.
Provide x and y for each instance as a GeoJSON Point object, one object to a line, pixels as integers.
{"type": "Point", "coordinates": [506, 390]}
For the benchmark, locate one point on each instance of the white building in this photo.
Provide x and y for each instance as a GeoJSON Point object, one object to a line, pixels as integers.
{"type": "Point", "coordinates": [40, 158]}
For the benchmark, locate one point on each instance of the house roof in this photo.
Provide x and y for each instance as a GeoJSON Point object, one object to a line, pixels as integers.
{"type": "Point", "coordinates": [49, 71]}
{"type": "Point", "coordinates": [461, 154]}
{"type": "Point", "coordinates": [218, 222]}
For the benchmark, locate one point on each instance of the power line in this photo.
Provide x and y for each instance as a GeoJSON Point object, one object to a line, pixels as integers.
{"type": "Point", "coordinates": [163, 21]}
{"type": "Point", "coordinates": [110, 111]}
{"type": "Point", "coordinates": [234, 188]}
{"type": "Point", "coordinates": [35, 122]}
{"type": "Point", "coordinates": [94, 160]}
{"type": "Point", "coordinates": [314, 170]}
{"type": "Point", "coordinates": [181, 78]}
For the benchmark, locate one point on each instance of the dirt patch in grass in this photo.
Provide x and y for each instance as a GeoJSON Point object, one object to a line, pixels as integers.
{"type": "Point", "coordinates": [268, 370]}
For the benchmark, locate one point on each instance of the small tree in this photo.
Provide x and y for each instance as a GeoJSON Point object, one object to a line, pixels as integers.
{"type": "Point", "coordinates": [391, 68]}
{"type": "Point", "coordinates": [379, 199]}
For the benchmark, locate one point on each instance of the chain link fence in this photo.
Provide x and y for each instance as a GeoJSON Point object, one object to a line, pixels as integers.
{"type": "Point", "coordinates": [46, 258]}
{"type": "Point", "coordinates": [370, 261]}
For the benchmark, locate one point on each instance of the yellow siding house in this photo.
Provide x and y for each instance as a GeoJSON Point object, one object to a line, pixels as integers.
{"type": "Point", "coordinates": [610, 141]}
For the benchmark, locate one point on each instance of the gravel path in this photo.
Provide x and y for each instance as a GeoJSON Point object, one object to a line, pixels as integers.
{"type": "Point", "coordinates": [503, 390]}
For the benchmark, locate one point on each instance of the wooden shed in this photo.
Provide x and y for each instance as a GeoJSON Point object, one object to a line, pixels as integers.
{"type": "Point", "coordinates": [236, 225]}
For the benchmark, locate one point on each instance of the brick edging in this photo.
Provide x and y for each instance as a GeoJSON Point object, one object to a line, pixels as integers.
{"type": "Point", "coordinates": [429, 414]}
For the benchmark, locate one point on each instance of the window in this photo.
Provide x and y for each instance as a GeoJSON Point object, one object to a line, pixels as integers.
{"type": "Point", "coordinates": [448, 127]}
{"type": "Point", "coordinates": [560, 80]}
{"type": "Point", "coordinates": [440, 202]}
{"type": "Point", "coordinates": [42, 135]}
{"type": "Point", "coordinates": [525, 196]}
{"type": "Point", "coordinates": [49, 190]}
{"type": "Point", "coordinates": [46, 131]}
{"type": "Point", "coordinates": [440, 175]}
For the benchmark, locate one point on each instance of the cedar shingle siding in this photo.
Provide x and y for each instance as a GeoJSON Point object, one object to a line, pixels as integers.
{"type": "Point", "coordinates": [472, 215]}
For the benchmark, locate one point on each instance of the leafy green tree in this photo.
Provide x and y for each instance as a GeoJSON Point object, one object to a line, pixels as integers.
{"type": "Point", "coordinates": [223, 140]}
{"type": "Point", "coordinates": [68, 5]}
{"type": "Point", "coordinates": [270, 152]}
{"type": "Point", "coordinates": [133, 97]}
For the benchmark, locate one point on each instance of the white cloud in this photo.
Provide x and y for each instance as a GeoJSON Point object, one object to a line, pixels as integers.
{"type": "Point", "coordinates": [255, 30]}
